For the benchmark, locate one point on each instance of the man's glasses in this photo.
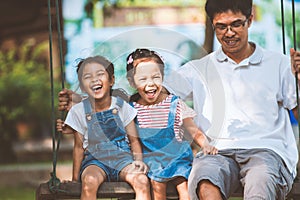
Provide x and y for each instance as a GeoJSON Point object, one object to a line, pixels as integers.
{"type": "Point", "coordinates": [234, 26]}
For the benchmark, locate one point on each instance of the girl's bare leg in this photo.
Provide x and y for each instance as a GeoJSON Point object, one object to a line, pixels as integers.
{"type": "Point", "coordinates": [182, 188]}
{"type": "Point", "coordinates": [159, 190]}
{"type": "Point", "coordinates": [138, 180]}
{"type": "Point", "coordinates": [92, 177]}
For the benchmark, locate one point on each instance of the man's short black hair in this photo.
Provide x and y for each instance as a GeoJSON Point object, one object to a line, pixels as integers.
{"type": "Point", "coordinates": [213, 7]}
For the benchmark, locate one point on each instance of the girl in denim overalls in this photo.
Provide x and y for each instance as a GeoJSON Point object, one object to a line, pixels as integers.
{"type": "Point", "coordinates": [160, 115]}
{"type": "Point", "coordinates": [106, 144]}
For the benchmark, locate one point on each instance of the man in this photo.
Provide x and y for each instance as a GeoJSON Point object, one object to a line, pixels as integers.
{"type": "Point", "coordinates": [245, 93]}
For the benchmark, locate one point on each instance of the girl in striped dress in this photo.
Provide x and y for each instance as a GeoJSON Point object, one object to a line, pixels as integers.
{"type": "Point", "coordinates": [160, 118]}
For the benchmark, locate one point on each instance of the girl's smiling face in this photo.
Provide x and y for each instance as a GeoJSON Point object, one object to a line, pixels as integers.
{"type": "Point", "coordinates": [148, 82]}
{"type": "Point", "coordinates": [95, 81]}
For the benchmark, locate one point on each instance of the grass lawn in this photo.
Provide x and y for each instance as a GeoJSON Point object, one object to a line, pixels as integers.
{"type": "Point", "coordinates": [17, 193]}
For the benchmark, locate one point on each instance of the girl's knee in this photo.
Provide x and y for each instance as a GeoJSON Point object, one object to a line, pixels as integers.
{"type": "Point", "coordinates": [141, 179]}
{"type": "Point", "coordinates": [90, 182]}
{"type": "Point", "coordinates": [140, 183]}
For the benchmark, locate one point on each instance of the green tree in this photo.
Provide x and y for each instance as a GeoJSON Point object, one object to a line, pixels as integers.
{"type": "Point", "coordinates": [24, 95]}
{"type": "Point", "coordinates": [288, 23]}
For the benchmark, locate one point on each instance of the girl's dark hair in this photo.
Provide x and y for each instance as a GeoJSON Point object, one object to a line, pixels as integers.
{"type": "Point", "coordinates": [142, 55]}
{"type": "Point", "coordinates": [138, 56]}
{"type": "Point", "coordinates": [213, 7]}
{"type": "Point", "coordinates": [109, 67]}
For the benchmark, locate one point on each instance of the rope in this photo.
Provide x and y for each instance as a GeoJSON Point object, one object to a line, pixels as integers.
{"type": "Point", "coordinates": [54, 182]}
{"type": "Point", "coordinates": [295, 46]}
{"type": "Point", "coordinates": [61, 64]}
{"type": "Point", "coordinates": [60, 45]}
{"type": "Point", "coordinates": [282, 27]}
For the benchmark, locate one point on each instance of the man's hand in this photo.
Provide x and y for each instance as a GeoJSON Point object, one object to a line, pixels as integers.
{"type": "Point", "coordinates": [295, 61]}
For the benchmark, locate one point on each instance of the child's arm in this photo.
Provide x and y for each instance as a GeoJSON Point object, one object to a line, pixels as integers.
{"type": "Point", "coordinates": [78, 153]}
{"type": "Point", "coordinates": [61, 127]}
{"type": "Point", "coordinates": [198, 136]}
{"type": "Point", "coordinates": [136, 147]}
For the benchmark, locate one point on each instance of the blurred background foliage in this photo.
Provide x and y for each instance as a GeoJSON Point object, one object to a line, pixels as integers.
{"type": "Point", "coordinates": [289, 26]}
{"type": "Point", "coordinates": [149, 3]}
{"type": "Point", "coordinates": [25, 106]}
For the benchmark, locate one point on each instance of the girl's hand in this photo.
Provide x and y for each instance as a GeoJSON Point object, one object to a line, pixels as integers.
{"type": "Point", "coordinates": [61, 127]}
{"type": "Point", "coordinates": [140, 166]}
{"type": "Point", "coordinates": [209, 149]}
{"type": "Point", "coordinates": [295, 61]}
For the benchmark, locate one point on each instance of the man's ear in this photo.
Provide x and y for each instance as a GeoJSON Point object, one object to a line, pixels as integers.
{"type": "Point", "coordinates": [250, 20]}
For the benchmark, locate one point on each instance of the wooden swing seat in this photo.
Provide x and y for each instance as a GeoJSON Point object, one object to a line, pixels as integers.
{"type": "Point", "coordinates": [118, 190]}
{"type": "Point", "coordinates": [122, 191]}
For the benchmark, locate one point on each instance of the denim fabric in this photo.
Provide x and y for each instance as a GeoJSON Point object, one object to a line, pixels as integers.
{"type": "Point", "coordinates": [166, 157]}
{"type": "Point", "coordinates": [108, 147]}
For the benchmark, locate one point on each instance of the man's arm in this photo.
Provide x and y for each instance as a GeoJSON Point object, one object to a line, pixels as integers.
{"type": "Point", "coordinates": [136, 147]}
{"type": "Point", "coordinates": [67, 98]}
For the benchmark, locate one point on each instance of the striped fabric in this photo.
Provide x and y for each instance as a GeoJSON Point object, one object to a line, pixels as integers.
{"type": "Point", "coordinates": [156, 116]}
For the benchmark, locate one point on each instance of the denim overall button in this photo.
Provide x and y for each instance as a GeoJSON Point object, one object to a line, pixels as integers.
{"type": "Point", "coordinates": [114, 111]}
{"type": "Point", "coordinates": [88, 117]}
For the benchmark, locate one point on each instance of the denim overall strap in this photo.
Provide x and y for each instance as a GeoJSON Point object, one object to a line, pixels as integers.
{"type": "Point", "coordinates": [87, 109]}
{"type": "Point", "coordinates": [91, 120]}
{"type": "Point", "coordinates": [120, 102]}
{"type": "Point", "coordinates": [131, 103]}
{"type": "Point", "coordinates": [172, 112]}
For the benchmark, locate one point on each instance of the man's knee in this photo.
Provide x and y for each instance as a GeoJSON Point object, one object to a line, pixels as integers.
{"type": "Point", "coordinates": [262, 185]}
{"type": "Point", "coordinates": [207, 190]}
